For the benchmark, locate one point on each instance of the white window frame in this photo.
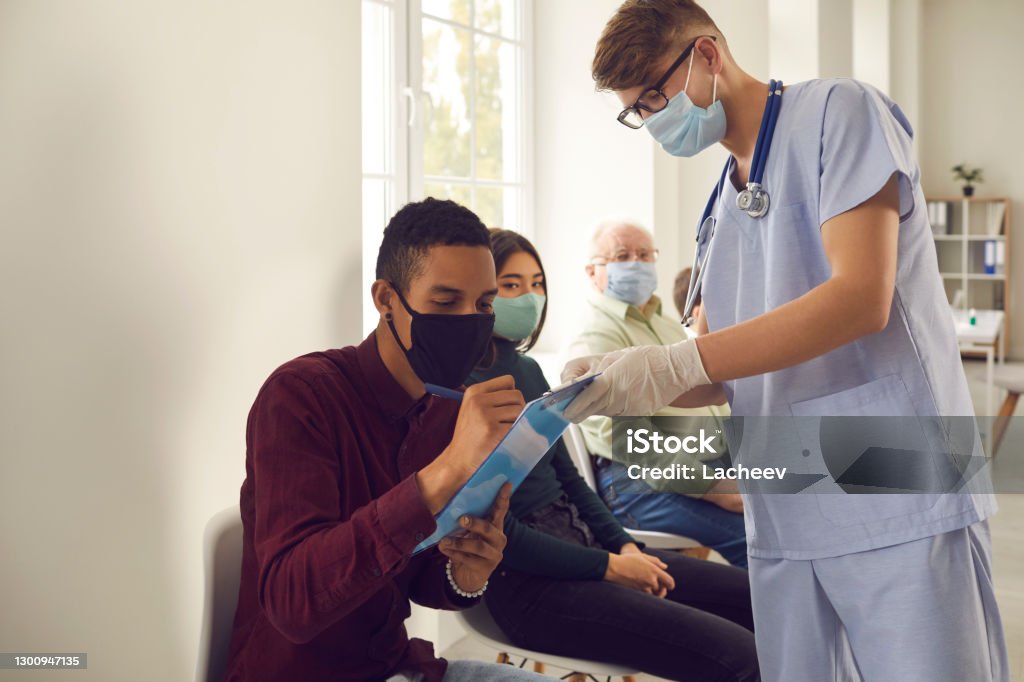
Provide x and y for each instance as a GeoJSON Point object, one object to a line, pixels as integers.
{"type": "Point", "coordinates": [407, 135]}
{"type": "Point", "coordinates": [395, 173]}
{"type": "Point", "coordinates": [524, 76]}
{"type": "Point", "coordinates": [400, 103]}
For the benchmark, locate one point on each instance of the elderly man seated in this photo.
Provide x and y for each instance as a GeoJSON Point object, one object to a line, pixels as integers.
{"type": "Point", "coordinates": [622, 310]}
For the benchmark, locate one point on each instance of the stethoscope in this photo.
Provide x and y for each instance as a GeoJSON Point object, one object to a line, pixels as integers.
{"type": "Point", "coordinates": [754, 200]}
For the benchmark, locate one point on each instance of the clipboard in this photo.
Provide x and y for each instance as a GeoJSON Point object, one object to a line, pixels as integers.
{"type": "Point", "coordinates": [533, 433]}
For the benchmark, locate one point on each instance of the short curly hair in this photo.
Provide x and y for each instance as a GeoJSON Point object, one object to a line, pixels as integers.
{"type": "Point", "coordinates": [417, 227]}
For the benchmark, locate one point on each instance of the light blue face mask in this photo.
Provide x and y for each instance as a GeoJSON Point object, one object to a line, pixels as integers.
{"type": "Point", "coordinates": [683, 128]}
{"type": "Point", "coordinates": [516, 318]}
{"type": "Point", "coordinates": [632, 282]}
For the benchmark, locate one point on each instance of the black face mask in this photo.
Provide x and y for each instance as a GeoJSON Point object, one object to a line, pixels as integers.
{"type": "Point", "coordinates": [445, 348]}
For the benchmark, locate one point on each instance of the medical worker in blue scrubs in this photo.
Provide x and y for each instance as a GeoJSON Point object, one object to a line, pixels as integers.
{"type": "Point", "coordinates": [822, 298]}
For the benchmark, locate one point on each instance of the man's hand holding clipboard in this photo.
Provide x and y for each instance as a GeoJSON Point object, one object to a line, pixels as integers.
{"type": "Point", "coordinates": [515, 437]}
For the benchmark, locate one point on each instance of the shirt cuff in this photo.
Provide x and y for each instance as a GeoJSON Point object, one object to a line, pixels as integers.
{"type": "Point", "coordinates": [404, 517]}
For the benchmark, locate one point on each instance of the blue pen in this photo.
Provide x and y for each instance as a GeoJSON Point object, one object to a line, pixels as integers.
{"type": "Point", "coordinates": [443, 392]}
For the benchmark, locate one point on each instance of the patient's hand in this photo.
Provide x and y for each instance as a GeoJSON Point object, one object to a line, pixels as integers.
{"type": "Point", "coordinates": [487, 412]}
{"type": "Point", "coordinates": [640, 571]}
{"type": "Point", "coordinates": [478, 549]}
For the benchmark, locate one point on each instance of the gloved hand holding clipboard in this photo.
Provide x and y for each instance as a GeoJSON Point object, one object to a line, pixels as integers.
{"type": "Point", "coordinates": [538, 426]}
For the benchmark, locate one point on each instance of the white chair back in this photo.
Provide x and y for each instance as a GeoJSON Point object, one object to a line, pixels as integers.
{"type": "Point", "coordinates": [577, 447]}
{"type": "Point", "coordinates": [222, 568]}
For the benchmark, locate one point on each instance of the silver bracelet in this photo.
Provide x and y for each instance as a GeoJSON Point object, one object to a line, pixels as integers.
{"type": "Point", "coordinates": [458, 590]}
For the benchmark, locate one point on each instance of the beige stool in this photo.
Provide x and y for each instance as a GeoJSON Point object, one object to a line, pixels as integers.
{"type": "Point", "coordinates": [1011, 378]}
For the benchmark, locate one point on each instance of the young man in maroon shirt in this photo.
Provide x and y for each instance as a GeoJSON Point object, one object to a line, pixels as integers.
{"type": "Point", "coordinates": [348, 460]}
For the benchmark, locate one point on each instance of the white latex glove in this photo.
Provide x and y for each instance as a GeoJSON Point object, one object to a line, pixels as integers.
{"type": "Point", "coordinates": [586, 365]}
{"type": "Point", "coordinates": [635, 381]}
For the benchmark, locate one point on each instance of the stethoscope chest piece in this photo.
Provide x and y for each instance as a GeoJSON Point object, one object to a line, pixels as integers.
{"type": "Point", "coordinates": [754, 201]}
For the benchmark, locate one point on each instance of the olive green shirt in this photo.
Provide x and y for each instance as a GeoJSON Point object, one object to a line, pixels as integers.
{"type": "Point", "coordinates": [609, 325]}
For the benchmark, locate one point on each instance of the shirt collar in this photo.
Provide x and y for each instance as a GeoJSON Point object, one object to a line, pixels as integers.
{"type": "Point", "coordinates": [391, 398]}
{"type": "Point", "coordinates": [621, 310]}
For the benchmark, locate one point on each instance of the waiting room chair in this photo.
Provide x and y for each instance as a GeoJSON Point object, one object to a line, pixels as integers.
{"type": "Point", "coordinates": [222, 560]}
{"type": "Point", "coordinates": [222, 569]}
{"type": "Point", "coordinates": [478, 622]}
{"type": "Point", "coordinates": [1010, 377]}
{"type": "Point", "coordinates": [577, 447]}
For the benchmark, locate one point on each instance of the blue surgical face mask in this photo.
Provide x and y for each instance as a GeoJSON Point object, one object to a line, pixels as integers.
{"type": "Point", "coordinates": [683, 128]}
{"type": "Point", "coordinates": [632, 282]}
{"type": "Point", "coordinates": [516, 318]}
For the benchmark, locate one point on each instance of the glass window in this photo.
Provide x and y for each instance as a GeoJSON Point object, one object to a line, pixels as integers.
{"type": "Point", "coordinates": [443, 113]}
{"type": "Point", "coordinates": [382, 167]}
{"type": "Point", "coordinates": [472, 66]}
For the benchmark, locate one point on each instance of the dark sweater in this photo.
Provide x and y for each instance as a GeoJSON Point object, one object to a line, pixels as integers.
{"type": "Point", "coordinates": [530, 550]}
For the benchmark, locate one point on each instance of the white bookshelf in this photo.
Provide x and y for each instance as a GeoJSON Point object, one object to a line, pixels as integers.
{"type": "Point", "coordinates": [971, 233]}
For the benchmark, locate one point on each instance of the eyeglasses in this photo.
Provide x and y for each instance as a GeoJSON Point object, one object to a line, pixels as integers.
{"type": "Point", "coordinates": [653, 100]}
{"type": "Point", "coordinates": [624, 256]}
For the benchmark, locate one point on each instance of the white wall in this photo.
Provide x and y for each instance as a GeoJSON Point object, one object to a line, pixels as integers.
{"type": "Point", "coordinates": [794, 48]}
{"type": "Point", "coordinates": [587, 166]}
{"type": "Point", "coordinates": [179, 210]}
{"type": "Point", "coordinates": [871, 42]}
{"type": "Point", "coordinates": [906, 31]}
{"type": "Point", "coordinates": [835, 58]}
{"type": "Point", "coordinates": [683, 185]}
{"type": "Point", "coordinates": [971, 103]}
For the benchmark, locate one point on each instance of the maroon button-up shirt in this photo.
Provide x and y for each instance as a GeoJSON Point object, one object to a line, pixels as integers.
{"type": "Point", "coordinates": [331, 511]}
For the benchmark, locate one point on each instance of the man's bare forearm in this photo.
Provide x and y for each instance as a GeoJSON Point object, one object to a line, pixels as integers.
{"type": "Point", "coordinates": [825, 318]}
{"type": "Point", "coordinates": [702, 396]}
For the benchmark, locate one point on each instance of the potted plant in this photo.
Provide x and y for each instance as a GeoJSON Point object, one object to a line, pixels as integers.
{"type": "Point", "coordinates": [968, 176]}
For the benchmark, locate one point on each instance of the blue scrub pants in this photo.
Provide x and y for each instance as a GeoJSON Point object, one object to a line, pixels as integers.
{"type": "Point", "coordinates": [918, 611]}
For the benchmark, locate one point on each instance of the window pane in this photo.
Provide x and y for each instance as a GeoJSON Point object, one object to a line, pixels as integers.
{"type": "Point", "coordinates": [461, 194]}
{"type": "Point", "coordinates": [378, 205]}
{"type": "Point", "coordinates": [490, 206]}
{"type": "Point", "coordinates": [497, 106]}
{"type": "Point", "coordinates": [498, 207]}
{"type": "Point", "coordinates": [453, 10]}
{"type": "Point", "coordinates": [446, 82]}
{"type": "Point", "coordinates": [377, 88]}
{"type": "Point", "coordinates": [497, 16]}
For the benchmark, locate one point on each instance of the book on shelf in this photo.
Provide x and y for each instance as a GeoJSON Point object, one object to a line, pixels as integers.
{"type": "Point", "coordinates": [994, 214]}
{"type": "Point", "coordinates": [938, 217]}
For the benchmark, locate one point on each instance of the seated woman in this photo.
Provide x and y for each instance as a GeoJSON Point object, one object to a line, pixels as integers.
{"type": "Point", "coordinates": [572, 581]}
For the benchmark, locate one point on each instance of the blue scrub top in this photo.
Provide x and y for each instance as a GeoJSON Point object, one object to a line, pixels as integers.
{"type": "Point", "coordinates": [836, 144]}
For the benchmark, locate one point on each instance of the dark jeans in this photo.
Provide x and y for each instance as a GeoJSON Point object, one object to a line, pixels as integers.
{"type": "Point", "coordinates": [701, 631]}
{"type": "Point", "coordinates": [637, 505]}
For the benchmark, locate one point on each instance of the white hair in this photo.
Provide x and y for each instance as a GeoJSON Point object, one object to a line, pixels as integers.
{"type": "Point", "coordinates": [603, 228]}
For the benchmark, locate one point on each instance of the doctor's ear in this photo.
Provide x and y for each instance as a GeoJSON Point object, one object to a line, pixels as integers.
{"type": "Point", "coordinates": [710, 53]}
